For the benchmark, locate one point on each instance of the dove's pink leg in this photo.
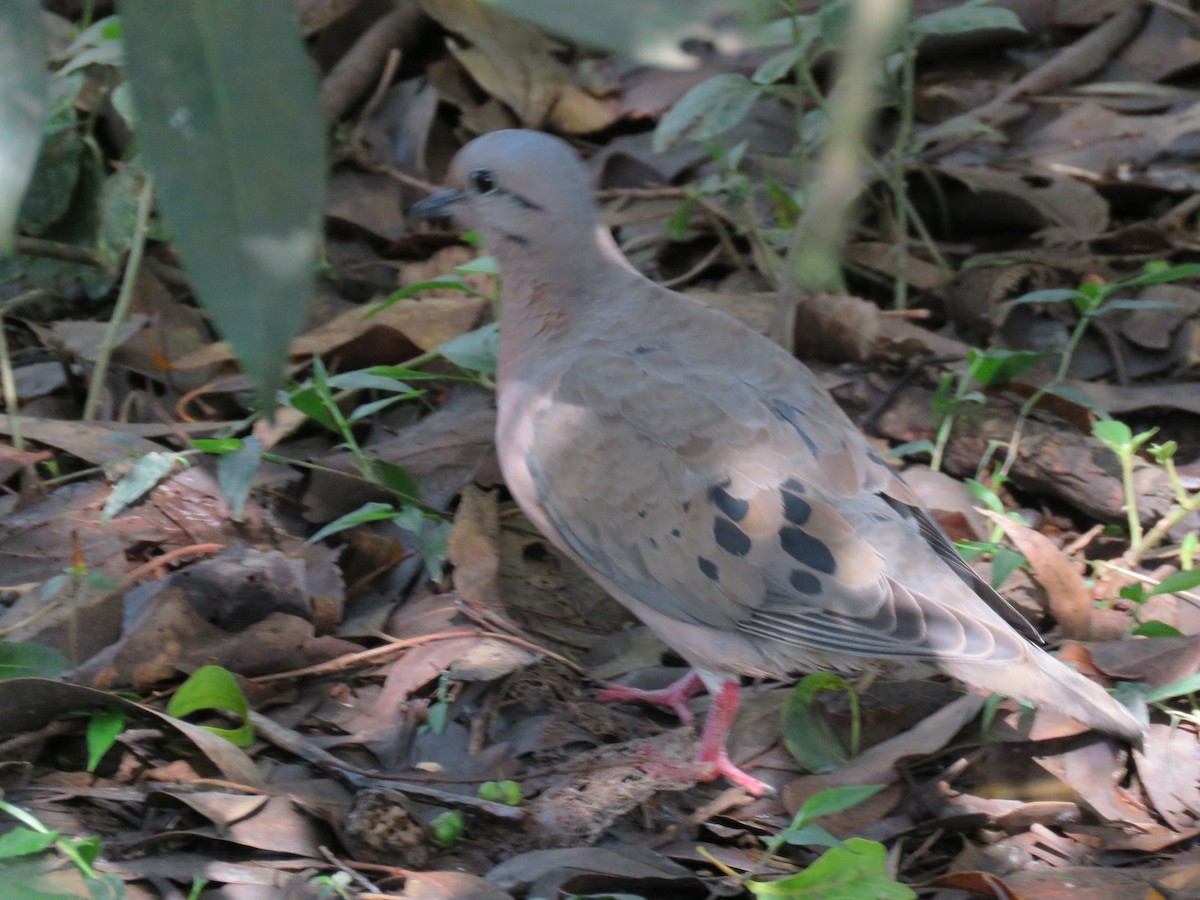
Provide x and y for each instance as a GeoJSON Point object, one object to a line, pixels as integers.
{"type": "Point", "coordinates": [713, 759]}
{"type": "Point", "coordinates": [674, 696]}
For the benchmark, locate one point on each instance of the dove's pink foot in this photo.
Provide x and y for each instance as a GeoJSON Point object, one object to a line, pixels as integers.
{"type": "Point", "coordinates": [674, 696]}
{"type": "Point", "coordinates": [713, 759]}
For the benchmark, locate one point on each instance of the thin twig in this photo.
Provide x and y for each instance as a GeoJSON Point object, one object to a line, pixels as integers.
{"type": "Point", "coordinates": [124, 300]}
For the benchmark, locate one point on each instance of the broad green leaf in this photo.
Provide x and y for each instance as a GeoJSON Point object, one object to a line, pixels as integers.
{"type": "Point", "coordinates": [215, 688]}
{"type": "Point", "coordinates": [1112, 433]}
{"type": "Point", "coordinates": [710, 108]}
{"type": "Point", "coordinates": [433, 541]}
{"type": "Point", "coordinates": [18, 660]}
{"type": "Point", "coordinates": [217, 445]}
{"type": "Point", "coordinates": [778, 66]}
{"type": "Point", "coordinates": [141, 479]}
{"type": "Point", "coordinates": [228, 120]}
{"type": "Point", "coordinates": [806, 732]}
{"type": "Point", "coordinates": [397, 479]}
{"type": "Point", "coordinates": [855, 871]}
{"type": "Point", "coordinates": [1155, 628]}
{"type": "Point", "coordinates": [23, 91]}
{"type": "Point", "coordinates": [963, 18]}
{"type": "Point", "coordinates": [103, 728]}
{"type": "Point", "coordinates": [21, 841]}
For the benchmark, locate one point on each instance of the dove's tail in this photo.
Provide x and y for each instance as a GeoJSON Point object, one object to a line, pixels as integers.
{"type": "Point", "coordinates": [1046, 682]}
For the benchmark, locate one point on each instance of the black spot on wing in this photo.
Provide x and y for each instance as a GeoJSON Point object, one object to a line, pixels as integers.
{"type": "Point", "coordinates": [516, 239]}
{"type": "Point", "coordinates": [733, 507]}
{"type": "Point", "coordinates": [804, 582]}
{"type": "Point", "coordinates": [675, 532]}
{"type": "Point", "coordinates": [643, 349]}
{"type": "Point", "coordinates": [804, 548]}
{"type": "Point", "coordinates": [794, 416]}
{"type": "Point", "coordinates": [795, 486]}
{"type": "Point", "coordinates": [687, 505]}
{"type": "Point", "coordinates": [641, 513]}
{"type": "Point", "coordinates": [652, 542]}
{"type": "Point", "coordinates": [796, 510]}
{"type": "Point", "coordinates": [730, 538]}
{"type": "Point", "coordinates": [707, 567]}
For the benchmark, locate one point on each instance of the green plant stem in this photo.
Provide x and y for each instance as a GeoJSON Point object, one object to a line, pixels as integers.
{"type": "Point", "coordinates": [1154, 537]}
{"type": "Point", "coordinates": [133, 263]}
{"type": "Point", "coordinates": [65, 847]}
{"type": "Point", "coordinates": [1131, 505]}
{"type": "Point", "coordinates": [9, 383]}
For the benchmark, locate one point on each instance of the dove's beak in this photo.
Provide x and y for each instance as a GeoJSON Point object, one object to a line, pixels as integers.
{"type": "Point", "coordinates": [435, 206]}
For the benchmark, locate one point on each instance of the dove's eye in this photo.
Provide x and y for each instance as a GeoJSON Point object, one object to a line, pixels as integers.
{"type": "Point", "coordinates": [482, 180]}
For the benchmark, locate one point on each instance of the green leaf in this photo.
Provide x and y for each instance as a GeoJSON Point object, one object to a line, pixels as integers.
{"type": "Point", "coordinates": [1160, 275]}
{"type": "Point", "coordinates": [397, 479]}
{"type": "Point", "coordinates": [1177, 581]}
{"type": "Point", "coordinates": [476, 350]}
{"type": "Point", "coordinates": [20, 841]}
{"type": "Point", "coordinates": [856, 871]}
{"type": "Point", "coordinates": [140, 480]}
{"type": "Point", "coordinates": [239, 161]}
{"type": "Point", "coordinates": [964, 18]}
{"type": "Point", "coordinates": [480, 265]}
{"type": "Point", "coordinates": [22, 106]}
{"type": "Point", "coordinates": [216, 445]}
{"type": "Point", "coordinates": [235, 473]}
{"type": "Point", "coordinates": [806, 732]}
{"type": "Point", "coordinates": [433, 541]}
{"type": "Point", "coordinates": [20, 660]}
{"type": "Point", "coordinates": [1005, 561]}
{"type": "Point", "coordinates": [103, 728]}
{"type": "Point", "coordinates": [711, 108]}
{"type": "Point", "coordinates": [998, 367]}
{"type": "Point", "coordinates": [1051, 295]}
{"type": "Point", "coordinates": [810, 835]}
{"type": "Point", "coordinates": [1113, 434]}
{"type": "Point", "coordinates": [778, 66]}
{"type": "Point", "coordinates": [835, 800]}
{"type": "Point", "coordinates": [215, 688]}
{"type": "Point", "coordinates": [912, 448]}
{"type": "Point", "coordinates": [310, 401]}
{"type": "Point", "coordinates": [1155, 628]}
{"type": "Point", "coordinates": [368, 512]}
{"type": "Point", "coordinates": [1189, 684]}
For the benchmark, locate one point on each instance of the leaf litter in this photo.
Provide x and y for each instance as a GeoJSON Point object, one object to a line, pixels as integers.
{"type": "Point", "coordinates": [382, 698]}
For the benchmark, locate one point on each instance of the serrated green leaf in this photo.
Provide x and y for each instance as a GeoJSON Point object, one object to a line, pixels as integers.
{"type": "Point", "coordinates": [855, 871]}
{"type": "Point", "coordinates": [238, 160]}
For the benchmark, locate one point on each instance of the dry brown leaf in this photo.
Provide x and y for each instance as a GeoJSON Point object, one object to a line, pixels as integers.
{"type": "Point", "coordinates": [520, 66]}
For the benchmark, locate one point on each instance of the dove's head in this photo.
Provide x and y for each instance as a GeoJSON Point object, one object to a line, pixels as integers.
{"type": "Point", "coordinates": [526, 193]}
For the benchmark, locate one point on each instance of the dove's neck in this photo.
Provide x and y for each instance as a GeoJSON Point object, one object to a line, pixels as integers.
{"type": "Point", "coordinates": [546, 294]}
